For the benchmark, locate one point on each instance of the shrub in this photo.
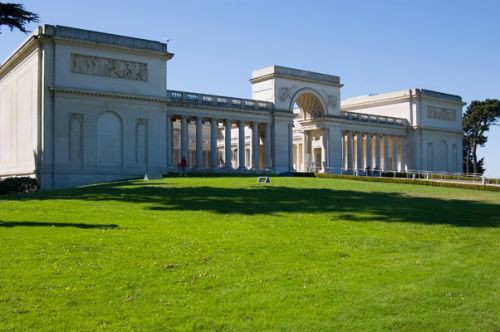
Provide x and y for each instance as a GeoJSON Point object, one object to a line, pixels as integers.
{"type": "Point", "coordinates": [410, 181]}
{"type": "Point", "coordinates": [18, 185]}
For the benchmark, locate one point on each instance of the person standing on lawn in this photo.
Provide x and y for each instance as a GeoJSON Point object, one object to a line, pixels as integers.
{"type": "Point", "coordinates": [183, 167]}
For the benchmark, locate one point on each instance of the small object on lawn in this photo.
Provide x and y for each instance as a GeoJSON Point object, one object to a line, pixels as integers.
{"type": "Point", "coordinates": [263, 179]}
{"type": "Point", "coordinates": [152, 176]}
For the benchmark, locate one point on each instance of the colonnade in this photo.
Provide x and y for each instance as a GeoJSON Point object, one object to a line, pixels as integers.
{"type": "Point", "coordinates": [305, 152]}
{"type": "Point", "coordinates": [255, 142]}
{"type": "Point", "coordinates": [373, 151]}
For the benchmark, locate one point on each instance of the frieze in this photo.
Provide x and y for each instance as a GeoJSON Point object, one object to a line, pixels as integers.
{"type": "Point", "coordinates": [107, 67]}
{"type": "Point", "coordinates": [441, 113]}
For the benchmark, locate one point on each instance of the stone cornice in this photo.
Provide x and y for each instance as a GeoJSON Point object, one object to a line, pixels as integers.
{"type": "Point", "coordinates": [450, 131]}
{"type": "Point", "coordinates": [139, 52]}
{"type": "Point", "coordinates": [380, 100]}
{"type": "Point", "coordinates": [154, 99]}
{"type": "Point", "coordinates": [107, 94]}
{"type": "Point", "coordinates": [374, 103]}
{"type": "Point", "coordinates": [28, 45]}
{"type": "Point", "coordinates": [106, 39]}
{"type": "Point", "coordinates": [443, 100]}
{"type": "Point", "coordinates": [284, 114]}
{"type": "Point", "coordinates": [303, 79]}
{"type": "Point", "coordinates": [272, 72]}
{"type": "Point", "coordinates": [219, 109]}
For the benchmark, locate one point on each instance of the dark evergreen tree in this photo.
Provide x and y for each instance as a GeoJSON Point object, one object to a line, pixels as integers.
{"type": "Point", "coordinates": [15, 16]}
{"type": "Point", "coordinates": [478, 118]}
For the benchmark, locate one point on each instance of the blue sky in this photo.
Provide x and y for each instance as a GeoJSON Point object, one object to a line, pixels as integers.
{"type": "Point", "coordinates": [375, 46]}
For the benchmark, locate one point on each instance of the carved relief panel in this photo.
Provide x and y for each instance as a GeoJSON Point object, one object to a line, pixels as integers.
{"type": "Point", "coordinates": [107, 67]}
{"type": "Point", "coordinates": [441, 113]}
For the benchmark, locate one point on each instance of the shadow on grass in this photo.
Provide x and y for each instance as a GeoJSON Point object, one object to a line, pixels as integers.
{"type": "Point", "coordinates": [342, 204]}
{"type": "Point", "coordinates": [10, 224]}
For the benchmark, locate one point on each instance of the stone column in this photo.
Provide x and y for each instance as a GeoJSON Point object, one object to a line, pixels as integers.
{"type": "Point", "coordinates": [344, 150]}
{"type": "Point", "coordinates": [324, 150]}
{"type": "Point", "coordinates": [377, 163]}
{"type": "Point", "coordinates": [184, 138]}
{"type": "Point", "coordinates": [298, 155]}
{"type": "Point", "coordinates": [369, 151]}
{"type": "Point", "coordinates": [359, 151]}
{"type": "Point", "coordinates": [395, 153]}
{"type": "Point", "coordinates": [170, 141]}
{"type": "Point", "coordinates": [386, 166]}
{"type": "Point", "coordinates": [199, 143]}
{"type": "Point", "coordinates": [290, 147]}
{"type": "Point", "coordinates": [213, 143]}
{"type": "Point", "coordinates": [227, 143]}
{"type": "Point", "coordinates": [267, 142]}
{"type": "Point", "coordinates": [335, 149]}
{"type": "Point", "coordinates": [350, 148]}
{"type": "Point", "coordinates": [241, 144]}
{"type": "Point", "coordinates": [402, 164]}
{"type": "Point", "coordinates": [304, 151]}
{"type": "Point", "coordinates": [255, 145]}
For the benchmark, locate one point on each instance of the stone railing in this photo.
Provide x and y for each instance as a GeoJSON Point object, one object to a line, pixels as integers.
{"type": "Point", "coordinates": [191, 98]}
{"type": "Point", "coordinates": [374, 118]}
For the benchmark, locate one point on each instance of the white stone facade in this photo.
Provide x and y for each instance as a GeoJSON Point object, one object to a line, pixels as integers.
{"type": "Point", "coordinates": [79, 107]}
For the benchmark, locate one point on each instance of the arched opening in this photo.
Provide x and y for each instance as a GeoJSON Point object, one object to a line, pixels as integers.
{"type": "Point", "coordinates": [308, 147]}
{"type": "Point", "coordinates": [308, 106]}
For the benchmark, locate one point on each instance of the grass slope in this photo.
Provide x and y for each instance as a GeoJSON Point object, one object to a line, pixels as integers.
{"type": "Point", "coordinates": [226, 253]}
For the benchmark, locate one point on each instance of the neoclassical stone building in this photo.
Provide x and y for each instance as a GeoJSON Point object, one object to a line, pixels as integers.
{"type": "Point", "coordinates": [79, 107]}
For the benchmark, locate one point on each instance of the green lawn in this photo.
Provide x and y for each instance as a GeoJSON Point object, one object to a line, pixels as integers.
{"type": "Point", "coordinates": [228, 254]}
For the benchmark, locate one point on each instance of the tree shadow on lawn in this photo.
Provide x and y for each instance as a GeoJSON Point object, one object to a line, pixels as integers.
{"type": "Point", "coordinates": [10, 224]}
{"type": "Point", "coordinates": [343, 204]}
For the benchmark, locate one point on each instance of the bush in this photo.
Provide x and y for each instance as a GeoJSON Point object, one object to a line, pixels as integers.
{"type": "Point", "coordinates": [18, 185]}
{"type": "Point", "coordinates": [409, 181]}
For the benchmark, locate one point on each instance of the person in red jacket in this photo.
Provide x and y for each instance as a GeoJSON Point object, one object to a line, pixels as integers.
{"type": "Point", "coordinates": [183, 167]}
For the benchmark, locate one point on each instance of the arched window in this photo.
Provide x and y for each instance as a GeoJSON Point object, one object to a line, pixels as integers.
{"type": "Point", "coordinates": [109, 139]}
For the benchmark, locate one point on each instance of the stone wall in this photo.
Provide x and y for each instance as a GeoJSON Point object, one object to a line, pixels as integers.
{"type": "Point", "coordinates": [19, 117]}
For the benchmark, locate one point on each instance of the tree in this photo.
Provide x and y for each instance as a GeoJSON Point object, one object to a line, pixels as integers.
{"type": "Point", "coordinates": [14, 15]}
{"type": "Point", "coordinates": [468, 159]}
{"type": "Point", "coordinates": [478, 118]}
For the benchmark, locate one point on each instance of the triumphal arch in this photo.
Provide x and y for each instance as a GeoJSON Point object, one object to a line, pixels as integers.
{"type": "Point", "coordinates": [80, 106]}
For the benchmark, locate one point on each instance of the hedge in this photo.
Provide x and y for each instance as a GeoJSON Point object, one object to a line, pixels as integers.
{"type": "Point", "coordinates": [409, 181]}
{"type": "Point", "coordinates": [17, 185]}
